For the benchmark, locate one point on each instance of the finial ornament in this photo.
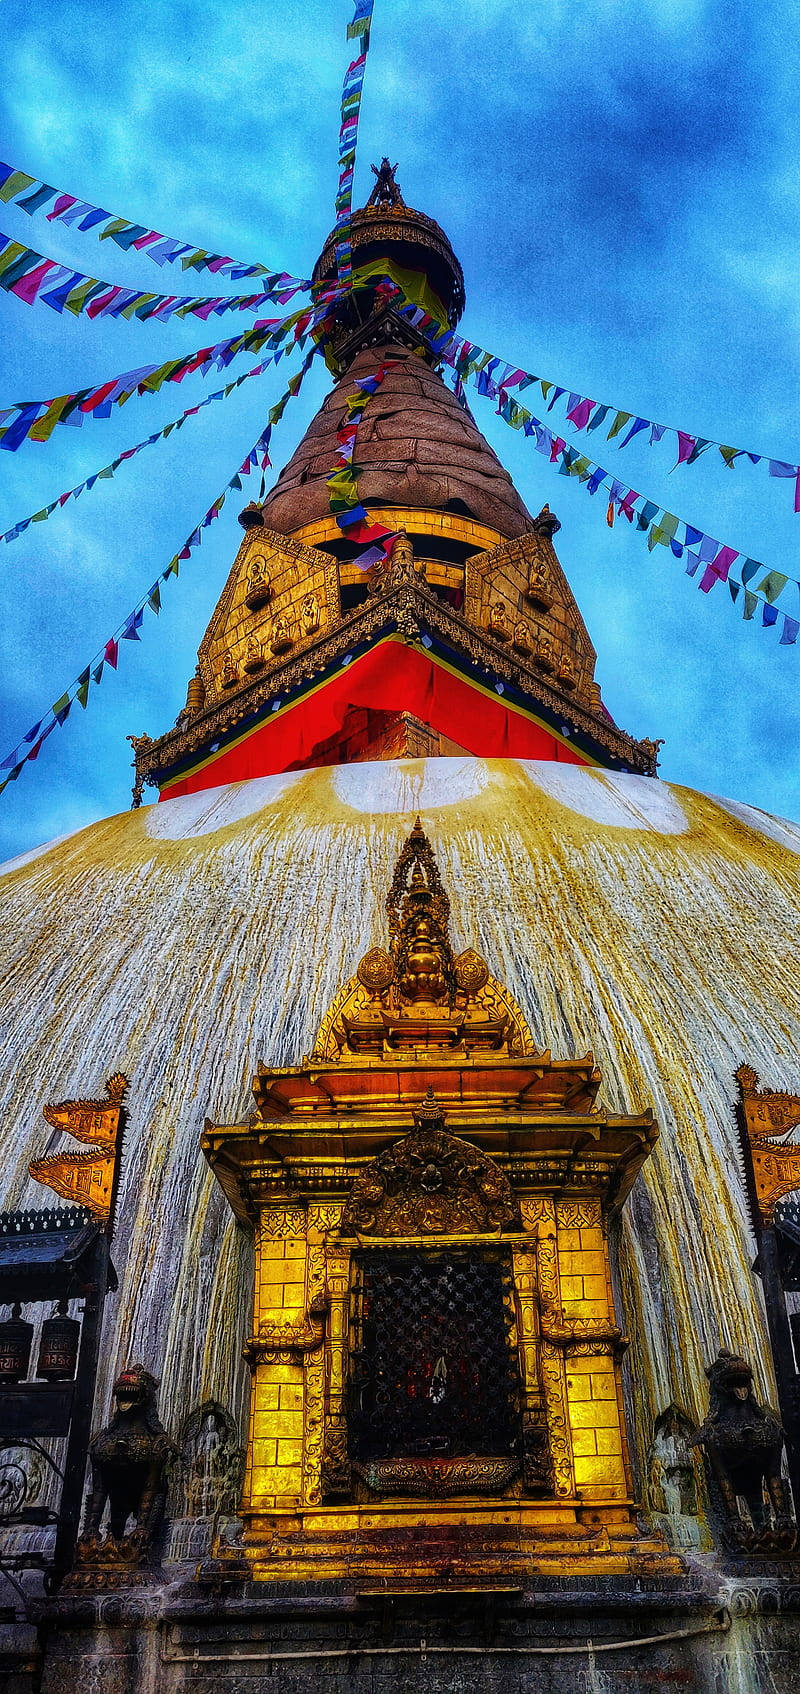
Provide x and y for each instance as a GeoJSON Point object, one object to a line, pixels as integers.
{"type": "Point", "coordinates": [386, 191]}
{"type": "Point", "coordinates": [417, 992]}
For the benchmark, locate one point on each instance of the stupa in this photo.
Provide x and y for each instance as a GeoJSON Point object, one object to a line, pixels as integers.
{"type": "Point", "coordinates": [429, 995]}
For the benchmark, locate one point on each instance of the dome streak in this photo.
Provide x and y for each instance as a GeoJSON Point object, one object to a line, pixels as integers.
{"type": "Point", "coordinates": [630, 939]}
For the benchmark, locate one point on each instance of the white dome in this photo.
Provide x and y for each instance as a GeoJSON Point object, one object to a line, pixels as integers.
{"type": "Point", "coordinates": [186, 941]}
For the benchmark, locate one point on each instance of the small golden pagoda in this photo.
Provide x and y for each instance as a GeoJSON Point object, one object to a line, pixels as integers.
{"type": "Point", "coordinates": [435, 1358]}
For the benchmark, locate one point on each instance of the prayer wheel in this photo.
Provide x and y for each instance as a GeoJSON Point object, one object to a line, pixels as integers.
{"type": "Point", "coordinates": [16, 1338]}
{"type": "Point", "coordinates": [58, 1347]}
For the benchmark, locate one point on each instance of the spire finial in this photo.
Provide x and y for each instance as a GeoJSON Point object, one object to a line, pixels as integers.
{"type": "Point", "coordinates": [386, 191]}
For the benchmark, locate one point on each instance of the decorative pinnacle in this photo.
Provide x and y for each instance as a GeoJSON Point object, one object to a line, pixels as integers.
{"type": "Point", "coordinates": [386, 191]}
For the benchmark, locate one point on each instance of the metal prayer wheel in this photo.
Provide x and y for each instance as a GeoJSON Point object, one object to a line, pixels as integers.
{"type": "Point", "coordinates": [16, 1339]}
{"type": "Point", "coordinates": [58, 1347]}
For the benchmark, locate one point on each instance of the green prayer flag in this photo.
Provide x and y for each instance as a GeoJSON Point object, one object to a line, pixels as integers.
{"type": "Point", "coordinates": [173, 567]}
{"type": "Point", "coordinates": [79, 296]}
{"type": "Point", "coordinates": [116, 227]}
{"type": "Point", "coordinates": [154, 599]}
{"type": "Point", "coordinates": [15, 184]}
{"type": "Point", "coordinates": [750, 603]}
{"type": "Point", "coordinates": [16, 250]}
{"type": "Point", "coordinates": [82, 693]}
{"type": "Point", "coordinates": [39, 516]}
{"type": "Point", "coordinates": [772, 585]}
{"type": "Point", "coordinates": [619, 423]}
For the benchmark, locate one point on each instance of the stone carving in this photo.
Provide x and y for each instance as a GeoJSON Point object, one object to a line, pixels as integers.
{"type": "Point", "coordinates": [544, 653]}
{"type": "Point", "coordinates": [210, 1464]}
{"type": "Point", "coordinates": [675, 1482]}
{"type": "Point", "coordinates": [430, 1183]}
{"type": "Point", "coordinates": [522, 639]}
{"type": "Point", "coordinates": [743, 1443]}
{"type": "Point", "coordinates": [129, 1464]}
{"type": "Point", "coordinates": [229, 675]}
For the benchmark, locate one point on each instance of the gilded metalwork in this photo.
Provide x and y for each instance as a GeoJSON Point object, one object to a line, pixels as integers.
{"type": "Point", "coordinates": [89, 1179]}
{"type": "Point", "coordinates": [775, 1165]}
{"type": "Point", "coordinates": [424, 1135]}
{"type": "Point", "coordinates": [403, 603]}
{"type": "Point", "coordinates": [431, 1183]}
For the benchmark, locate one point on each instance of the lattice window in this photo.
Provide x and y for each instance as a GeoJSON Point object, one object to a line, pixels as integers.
{"type": "Point", "coordinates": [433, 1371]}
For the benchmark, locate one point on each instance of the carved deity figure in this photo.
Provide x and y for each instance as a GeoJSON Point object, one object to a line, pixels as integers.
{"type": "Point", "coordinates": [259, 582]}
{"type": "Point", "coordinates": [497, 621]}
{"type": "Point", "coordinates": [253, 656]}
{"type": "Point", "coordinates": [310, 614]}
{"type": "Point", "coordinates": [544, 654]}
{"type": "Point", "coordinates": [281, 634]}
{"type": "Point", "coordinates": [129, 1464]}
{"type": "Point", "coordinates": [229, 676]}
{"type": "Point", "coordinates": [743, 1443]}
{"type": "Point", "coordinates": [539, 589]}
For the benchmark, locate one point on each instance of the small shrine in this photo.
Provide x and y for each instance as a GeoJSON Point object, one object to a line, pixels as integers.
{"type": "Point", "coordinates": [435, 1357]}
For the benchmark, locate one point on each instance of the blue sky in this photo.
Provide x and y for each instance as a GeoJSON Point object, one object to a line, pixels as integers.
{"type": "Point", "coordinates": [621, 183]}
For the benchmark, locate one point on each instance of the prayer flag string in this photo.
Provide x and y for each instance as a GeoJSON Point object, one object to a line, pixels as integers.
{"type": "Point", "coordinates": [32, 195]}
{"type": "Point", "coordinates": [30, 746]}
{"type": "Point", "coordinates": [660, 527]}
{"type": "Point", "coordinates": [357, 30]}
{"type": "Point", "coordinates": [37, 419]}
{"type": "Point", "coordinates": [352, 518]}
{"type": "Point", "coordinates": [586, 415]}
{"type": "Point", "coordinates": [34, 278]}
{"type": "Point", "coordinates": [130, 452]}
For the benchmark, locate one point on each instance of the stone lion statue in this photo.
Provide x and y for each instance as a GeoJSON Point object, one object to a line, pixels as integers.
{"type": "Point", "coordinates": [129, 1472]}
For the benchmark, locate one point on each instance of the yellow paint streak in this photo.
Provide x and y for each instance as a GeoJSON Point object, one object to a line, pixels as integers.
{"type": "Point", "coordinates": [183, 962]}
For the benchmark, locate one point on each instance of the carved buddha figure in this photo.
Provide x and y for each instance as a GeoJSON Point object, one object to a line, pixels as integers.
{"type": "Point", "coordinates": [539, 589]}
{"type": "Point", "coordinates": [230, 675]}
{"type": "Point", "coordinates": [497, 622]}
{"type": "Point", "coordinates": [259, 582]}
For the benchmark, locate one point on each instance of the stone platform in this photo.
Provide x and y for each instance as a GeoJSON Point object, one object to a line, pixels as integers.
{"type": "Point", "coordinates": [708, 1634]}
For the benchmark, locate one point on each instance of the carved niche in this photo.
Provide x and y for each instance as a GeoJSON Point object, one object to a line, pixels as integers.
{"type": "Point", "coordinates": [431, 1183]}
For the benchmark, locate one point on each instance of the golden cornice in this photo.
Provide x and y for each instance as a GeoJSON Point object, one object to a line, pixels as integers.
{"type": "Point", "coordinates": [301, 1161]}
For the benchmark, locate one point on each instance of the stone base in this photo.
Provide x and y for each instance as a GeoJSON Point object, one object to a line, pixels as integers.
{"type": "Point", "coordinates": [699, 1635]}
